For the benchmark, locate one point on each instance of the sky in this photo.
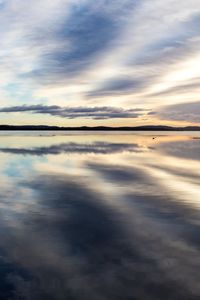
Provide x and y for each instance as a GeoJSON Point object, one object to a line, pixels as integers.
{"type": "Point", "coordinates": [105, 62]}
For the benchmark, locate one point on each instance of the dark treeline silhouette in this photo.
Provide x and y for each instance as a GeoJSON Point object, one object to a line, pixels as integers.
{"type": "Point", "coordinates": [101, 128]}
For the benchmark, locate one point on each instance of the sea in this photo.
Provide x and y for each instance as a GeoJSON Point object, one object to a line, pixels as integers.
{"type": "Point", "coordinates": [99, 215]}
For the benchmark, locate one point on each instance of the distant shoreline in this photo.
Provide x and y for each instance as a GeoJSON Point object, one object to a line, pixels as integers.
{"type": "Point", "coordinates": [97, 128]}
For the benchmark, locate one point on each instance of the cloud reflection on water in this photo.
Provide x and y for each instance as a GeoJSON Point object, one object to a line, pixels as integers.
{"type": "Point", "coordinates": [97, 147]}
{"type": "Point", "coordinates": [92, 221]}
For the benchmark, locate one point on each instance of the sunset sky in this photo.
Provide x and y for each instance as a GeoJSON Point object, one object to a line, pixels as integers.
{"type": "Point", "coordinates": [105, 62]}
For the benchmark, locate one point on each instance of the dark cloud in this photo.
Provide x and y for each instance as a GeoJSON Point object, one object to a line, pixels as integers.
{"type": "Point", "coordinates": [30, 108]}
{"type": "Point", "coordinates": [97, 113]}
{"type": "Point", "coordinates": [88, 33]}
{"type": "Point", "coordinates": [83, 36]}
{"type": "Point", "coordinates": [117, 86]}
{"type": "Point", "coordinates": [180, 112]}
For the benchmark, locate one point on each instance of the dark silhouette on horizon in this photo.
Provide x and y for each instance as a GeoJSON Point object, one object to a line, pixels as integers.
{"type": "Point", "coordinates": [100, 128]}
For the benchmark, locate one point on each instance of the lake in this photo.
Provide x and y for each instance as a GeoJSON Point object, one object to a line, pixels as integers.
{"type": "Point", "coordinates": [100, 216]}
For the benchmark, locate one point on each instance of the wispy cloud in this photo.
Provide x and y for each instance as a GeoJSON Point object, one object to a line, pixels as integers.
{"type": "Point", "coordinates": [79, 53]}
{"type": "Point", "coordinates": [180, 112]}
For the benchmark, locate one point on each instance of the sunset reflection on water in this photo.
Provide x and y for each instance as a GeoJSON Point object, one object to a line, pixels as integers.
{"type": "Point", "coordinates": [99, 216]}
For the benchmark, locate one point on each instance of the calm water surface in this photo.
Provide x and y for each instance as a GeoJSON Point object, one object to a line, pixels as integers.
{"type": "Point", "coordinates": [99, 216]}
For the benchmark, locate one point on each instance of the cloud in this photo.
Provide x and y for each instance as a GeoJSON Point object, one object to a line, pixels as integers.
{"type": "Point", "coordinates": [117, 86]}
{"type": "Point", "coordinates": [71, 52]}
{"type": "Point", "coordinates": [186, 88]}
{"type": "Point", "coordinates": [180, 112]}
{"type": "Point", "coordinates": [58, 40]}
{"type": "Point", "coordinates": [97, 113]}
{"type": "Point", "coordinates": [85, 33]}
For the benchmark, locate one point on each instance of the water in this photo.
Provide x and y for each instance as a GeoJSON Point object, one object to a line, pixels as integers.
{"type": "Point", "coordinates": [99, 216]}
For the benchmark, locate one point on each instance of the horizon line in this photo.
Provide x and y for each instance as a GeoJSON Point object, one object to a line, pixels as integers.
{"type": "Point", "coordinates": [31, 127]}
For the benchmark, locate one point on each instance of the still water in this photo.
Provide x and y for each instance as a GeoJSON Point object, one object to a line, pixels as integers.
{"type": "Point", "coordinates": [99, 216]}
